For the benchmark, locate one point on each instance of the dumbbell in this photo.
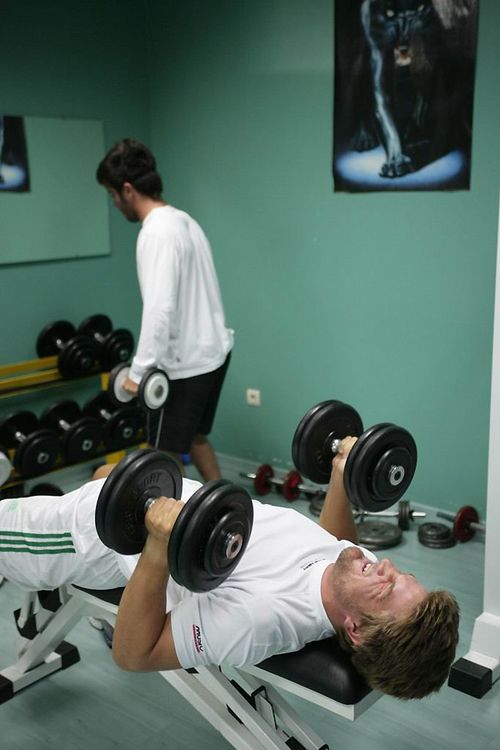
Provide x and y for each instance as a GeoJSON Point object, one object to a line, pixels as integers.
{"type": "Point", "coordinates": [114, 346]}
{"type": "Point", "coordinates": [80, 435]}
{"type": "Point", "coordinates": [404, 514]}
{"type": "Point", "coordinates": [465, 522]}
{"type": "Point", "coordinates": [264, 480]}
{"type": "Point", "coordinates": [76, 353]}
{"type": "Point", "coordinates": [379, 467]}
{"type": "Point", "coordinates": [121, 427]}
{"type": "Point", "coordinates": [153, 388]}
{"type": "Point", "coordinates": [5, 466]}
{"type": "Point", "coordinates": [209, 535]}
{"type": "Point", "coordinates": [37, 449]}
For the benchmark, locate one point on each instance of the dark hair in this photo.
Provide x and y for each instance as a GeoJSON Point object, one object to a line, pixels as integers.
{"type": "Point", "coordinates": [130, 161]}
{"type": "Point", "coordinates": [411, 657]}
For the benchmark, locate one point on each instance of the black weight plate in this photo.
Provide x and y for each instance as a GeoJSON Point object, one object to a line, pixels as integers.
{"type": "Point", "coordinates": [118, 347]}
{"type": "Point", "coordinates": [195, 550]}
{"type": "Point", "coordinates": [47, 341]}
{"type": "Point", "coordinates": [99, 406]}
{"type": "Point", "coordinates": [370, 462]}
{"type": "Point", "coordinates": [404, 515]}
{"type": "Point", "coordinates": [45, 488]}
{"type": "Point", "coordinates": [82, 440]}
{"type": "Point", "coordinates": [96, 324]}
{"type": "Point", "coordinates": [22, 422]}
{"type": "Point", "coordinates": [436, 535]}
{"type": "Point", "coordinates": [311, 445]}
{"type": "Point", "coordinates": [77, 357]}
{"type": "Point", "coordinates": [37, 454]}
{"type": "Point", "coordinates": [378, 534]}
{"type": "Point", "coordinates": [119, 514]}
{"type": "Point", "coordinates": [66, 410]}
{"type": "Point", "coordinates": [124, 427]}
{"type": "Point", "coordinates": [352, 484]}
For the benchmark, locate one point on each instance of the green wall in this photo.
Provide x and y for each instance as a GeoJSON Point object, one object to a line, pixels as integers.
{"type": "Point", "coordinates": [383, 301]}
{"type": "Point", "coordinates": [71, 59]}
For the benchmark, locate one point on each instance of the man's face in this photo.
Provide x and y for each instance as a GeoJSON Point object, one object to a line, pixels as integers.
{"type": "Point", "coordinates": [370, 588]}
{"type": "Point", "coordinates": [123, 203]}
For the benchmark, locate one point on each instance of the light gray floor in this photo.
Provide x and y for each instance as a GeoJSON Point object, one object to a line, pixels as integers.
{"type": "Point", "coordinates": [94, 704]}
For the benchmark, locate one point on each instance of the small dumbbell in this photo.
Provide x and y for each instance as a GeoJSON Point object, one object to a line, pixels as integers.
{"type": "Point", "coordinates": [209, 535]}
{"type": "Point", "coordinates": [114, 346]}
{"type": "Point", "coordinates": [80, 435]}
{"type": "Point", "coordinates": [379, 467]}
{"type": "Point", "coordinates": [264, 480]}
{"type": "Point", "coordinates": [404, 514]}
{"type": "Point", "coordinates": [121, 427]}
{"type": "Point", "coordinates": [465, 522]}
{"type": "Point", "coordinates": [153, 388]}
{"type": "Point", "coordinates": [76, 353]}
{"type": "Point", "coordinates": [36, 449]}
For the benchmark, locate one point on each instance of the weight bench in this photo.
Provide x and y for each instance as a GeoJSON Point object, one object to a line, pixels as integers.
{"type": "Point", "coordinates": [244, 704]}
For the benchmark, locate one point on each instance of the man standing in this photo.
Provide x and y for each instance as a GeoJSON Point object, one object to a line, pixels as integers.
{"type": "Point", "coordinates": [183, 328]}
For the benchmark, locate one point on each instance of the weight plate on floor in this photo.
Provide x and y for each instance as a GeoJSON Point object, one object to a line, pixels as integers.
{"type": "Point", "coordinates": [461, 525]}
{"type": "Point", "coordinates": [119, 513]}
{"type": "Point", "coordinates": [312, 442]}
{"type": "Point", "coordinates": [210, 535]}
{"type": "Point", "coordinates": [290, 489]}
{"type": "Point", "coordinates": [262, 484]}
{"type": "Point", "coordinates": [436, 535]}
{"type": "Point", "coordinates": [380, 467]}
{"type": "Point", "coordinates": [404, 515]}
{"type": "Point", "coordinates": [378, 534]}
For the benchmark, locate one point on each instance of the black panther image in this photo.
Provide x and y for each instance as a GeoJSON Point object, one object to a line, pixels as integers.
{"type": "Point", "coordinates": [404, 80]}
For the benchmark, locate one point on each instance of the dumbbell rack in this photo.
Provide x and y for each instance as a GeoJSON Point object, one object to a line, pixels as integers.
{"type": "Point", "coordinates": [32, 375]}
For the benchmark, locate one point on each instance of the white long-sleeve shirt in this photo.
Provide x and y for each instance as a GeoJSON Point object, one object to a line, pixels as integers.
{"type": "Point", "coordinates": [183, 328]}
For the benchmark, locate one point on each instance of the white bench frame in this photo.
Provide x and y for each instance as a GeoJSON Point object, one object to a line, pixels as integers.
{"type": "Point", "coordinates": [265, 719]}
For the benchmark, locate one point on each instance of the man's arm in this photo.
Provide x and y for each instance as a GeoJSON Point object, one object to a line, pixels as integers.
{"type": "Point", "coordinates": [143, 640]}
{"type": "Point", "coordinates": [336, 515]}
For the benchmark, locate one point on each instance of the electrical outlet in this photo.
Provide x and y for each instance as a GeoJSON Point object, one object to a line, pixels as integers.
{"type": "Point", "coordinates": [253, 397]}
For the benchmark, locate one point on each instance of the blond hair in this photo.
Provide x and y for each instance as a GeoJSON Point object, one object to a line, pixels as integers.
{"type": "Point", "coordinates": [410, 657]}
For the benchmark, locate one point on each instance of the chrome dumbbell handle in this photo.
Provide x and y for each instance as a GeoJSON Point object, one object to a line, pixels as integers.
{"type": "Point", "coordinates": [387, 513]}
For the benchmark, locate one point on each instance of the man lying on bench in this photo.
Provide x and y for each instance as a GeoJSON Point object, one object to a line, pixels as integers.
{"type": "Point", "coordinates": [296, 582]}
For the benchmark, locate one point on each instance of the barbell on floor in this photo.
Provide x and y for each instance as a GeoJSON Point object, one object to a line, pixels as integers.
{"type": "Point", "coordinates": [465, 522]}
{"type": "Point", "coordinates": [290, 485]}
{"type": "Point", "coordinates": [379, 467]}
{"type": "Point", "coordinates": [209, 535]}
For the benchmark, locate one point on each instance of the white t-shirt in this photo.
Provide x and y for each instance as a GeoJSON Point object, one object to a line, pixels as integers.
{"type": "Point", "coordinates": [270, 604]}
{"type": "Point", "coordinates": [183, 328]}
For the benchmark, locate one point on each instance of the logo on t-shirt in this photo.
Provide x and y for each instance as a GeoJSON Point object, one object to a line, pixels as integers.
{"type": "Point", "coordinates": [310, 563]}
{"type": "Point", "coordinates": [198, 643]}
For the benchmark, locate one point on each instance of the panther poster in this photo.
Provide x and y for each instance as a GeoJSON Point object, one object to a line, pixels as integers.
{"type": "Point", "coordinates": [14, 171]}
{"type": "Point", "coordinates": [404, 88]}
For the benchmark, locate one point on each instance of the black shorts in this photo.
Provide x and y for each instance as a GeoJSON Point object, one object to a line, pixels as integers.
{"type": "Point", "coordinates": [189, 410]}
